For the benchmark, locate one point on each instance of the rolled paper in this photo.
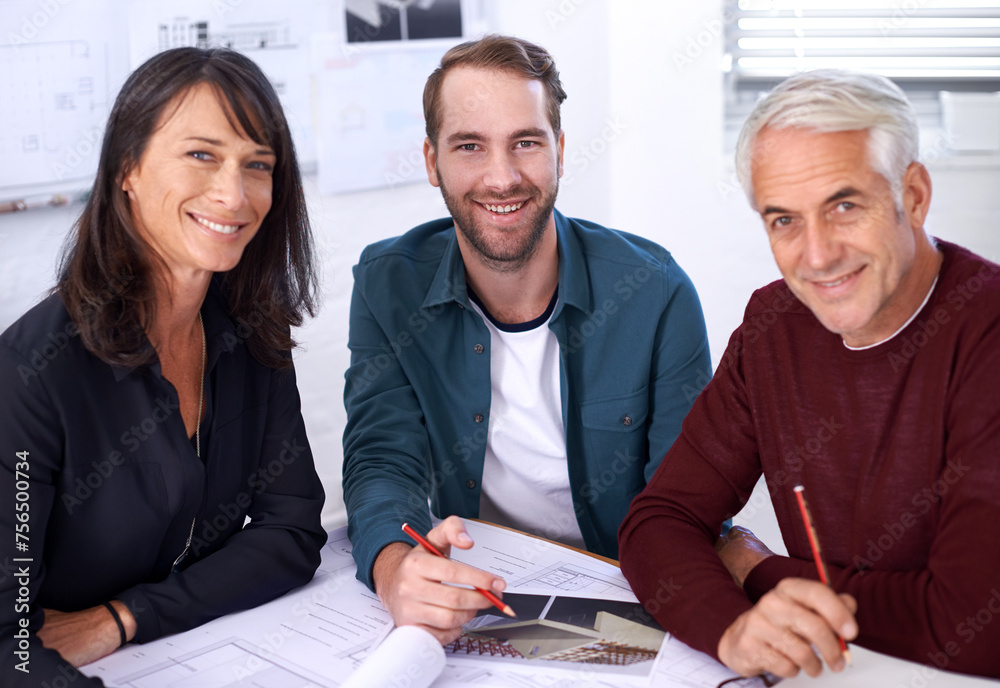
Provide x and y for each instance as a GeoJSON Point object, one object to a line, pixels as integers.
{"type": "Point", "coordinates": [409, 656]}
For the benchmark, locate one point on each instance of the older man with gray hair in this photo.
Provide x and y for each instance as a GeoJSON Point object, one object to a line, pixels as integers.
{"type": "Point", "coordinates": [868, 375]}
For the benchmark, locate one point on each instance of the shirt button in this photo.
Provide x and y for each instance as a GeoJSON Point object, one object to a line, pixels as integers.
{"type": "Point", "coordinates": [470, 483]}
{"type": "Point", "coordinates": [478, 418]}
{"type": "Point", "coordinates": [627, 421]}
{"type": "Point", "coordinates": [479, 348]}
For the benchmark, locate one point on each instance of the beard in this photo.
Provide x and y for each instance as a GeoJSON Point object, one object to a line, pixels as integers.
{"type": "Point", "coordinates": [507, 250]}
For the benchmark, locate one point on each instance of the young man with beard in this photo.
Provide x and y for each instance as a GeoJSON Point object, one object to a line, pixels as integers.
{"type": "Point", "coordinates": [507, 363]}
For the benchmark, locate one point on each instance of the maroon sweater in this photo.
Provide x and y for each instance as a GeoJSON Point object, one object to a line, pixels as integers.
{"type": "Point", "coordinates": [898, 447]}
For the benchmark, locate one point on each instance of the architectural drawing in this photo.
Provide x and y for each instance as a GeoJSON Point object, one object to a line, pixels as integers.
{"type": "Point", "coordinates": [228, 662]}
{"type": "Point", "coordinates": [572, 578]}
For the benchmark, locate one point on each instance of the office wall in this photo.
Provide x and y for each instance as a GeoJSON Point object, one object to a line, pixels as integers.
{"type": "Point", "coordinates": [643, 139]}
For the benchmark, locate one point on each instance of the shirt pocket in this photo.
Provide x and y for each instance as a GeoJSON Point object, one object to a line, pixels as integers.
{"type": "Point", "coordinates": [615, 446]}
{"type": "Point", "coordinates": [625, 413]}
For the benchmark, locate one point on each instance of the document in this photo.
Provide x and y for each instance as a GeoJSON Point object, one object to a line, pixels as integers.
{"type": "Point", "coordinates": [408, 653]}
{"type": "Point", "coordinates": [274, 35]}
{"type": "Point", "coordinates": [61, 64]}
{"type": "Point", "coordinates": [578, 625]}
{"type": "Point", "coordinates": [534, 566]}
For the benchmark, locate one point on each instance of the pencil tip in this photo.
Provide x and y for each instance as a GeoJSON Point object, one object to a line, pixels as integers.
{"type": "Point", "coordinates": [847, 658]}
{"type": "Point", "coordinates": [509, 612]}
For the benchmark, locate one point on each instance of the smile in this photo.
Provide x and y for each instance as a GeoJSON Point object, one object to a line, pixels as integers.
{"type": "Point", "coordinates": [503, 209]}
{"type": "Point", "coordinates": [838, 282]}
{"type": "Point", "coordinates": [833, 284]}
{"type": "Point", "coordinates": [215, 226]}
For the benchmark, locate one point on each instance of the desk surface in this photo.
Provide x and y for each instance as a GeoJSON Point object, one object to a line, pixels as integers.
{"type": "Point", "coordinates": [874, 670]}
{"type": "Point", "coordinates": [316, 636]}
{"type": "Point", "coordinates": [871, 669]}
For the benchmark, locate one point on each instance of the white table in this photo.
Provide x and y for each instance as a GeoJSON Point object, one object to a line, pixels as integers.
{"type": "Point", "coordinates": [875, 670]}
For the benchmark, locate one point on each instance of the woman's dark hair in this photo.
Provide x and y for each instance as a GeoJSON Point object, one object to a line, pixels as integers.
{"type": "Point", "coordinates": [106, 276]}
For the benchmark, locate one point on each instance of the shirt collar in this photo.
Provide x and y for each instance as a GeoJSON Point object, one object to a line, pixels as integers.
{"type": "Point", "coordinates": [574, 279]}
{"type": "Point", "coordinates": [574, 275]}
{"type": "Point", "coordinates": [218, 329]}
{"type": "Point", "coordinates": [901, 327]}
{"type": "Point", "coordinates": [449, 280]}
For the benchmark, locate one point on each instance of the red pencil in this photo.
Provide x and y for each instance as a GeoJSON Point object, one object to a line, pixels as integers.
{"type": "Point", "coordinates": [817, 554]}
{"type": "Point", "coordinates": [497, 602]}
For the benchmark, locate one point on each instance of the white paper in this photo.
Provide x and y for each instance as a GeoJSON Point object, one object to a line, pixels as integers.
{"type": "Point", "coordinates": [314, 636]}
{"type": "Point", "coordinates": [370, 114]}
{"type": "Point", "coordinates": [874, 670]}
{"type": "Point", "coordinates": [61, 64]}
{"type": "Point", "coordinates": [320, 634]}
{"type": "Point", "coordinates": [679, 665]}
{"type": "Point", "coordinates": [275, 35]}
{"type": "Point", "coordinates": [534, 566]}
{"type": "Point", "coordinates": [409, 656]}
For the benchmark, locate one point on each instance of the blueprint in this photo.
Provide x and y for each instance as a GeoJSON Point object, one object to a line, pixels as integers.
{"type": "Point", "coordinates": [274, 35]}
{"type": "Point", "coordinates": [318, 635]}
{"type": "Point", "coordinates": [370, 122]}
{"type": "Point", "coordinates": [60, 68]}
{"type": "Point", "coordinates": [531, 565]}
{"type": "Point", "coordinates": [687, 668]}
{"type": "Point", "coordinates": [370, 70]}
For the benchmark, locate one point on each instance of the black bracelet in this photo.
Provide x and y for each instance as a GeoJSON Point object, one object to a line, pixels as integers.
{"type": "Point", "coordinates": [118, 620]}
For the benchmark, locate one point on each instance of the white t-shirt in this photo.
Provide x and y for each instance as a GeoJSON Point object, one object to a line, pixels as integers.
{"type": "Point", "coordinates": [525, 477]}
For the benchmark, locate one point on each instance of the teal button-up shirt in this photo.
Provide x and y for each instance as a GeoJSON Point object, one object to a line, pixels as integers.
{"type": "Point", "coordinates": [633, 357]}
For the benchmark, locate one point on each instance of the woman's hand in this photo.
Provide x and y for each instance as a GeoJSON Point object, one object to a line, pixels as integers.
{"type": "Point", "coordinates": [87, 635]}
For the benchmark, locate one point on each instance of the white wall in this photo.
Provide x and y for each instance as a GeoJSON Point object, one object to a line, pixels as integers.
{"type": "Point", "coordinates": [668, 174]}
{"type": "Point", "coordinates": [575, 32]}
{"type": "Point", "coordinates": [643, 141]}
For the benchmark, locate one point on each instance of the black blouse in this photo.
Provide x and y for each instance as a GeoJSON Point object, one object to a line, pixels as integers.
{"type": "Point", "coordinates": [111, 482]}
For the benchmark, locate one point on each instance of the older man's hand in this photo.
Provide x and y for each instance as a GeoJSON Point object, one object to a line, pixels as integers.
{"type": "Point", "coordinates": [780, 632]}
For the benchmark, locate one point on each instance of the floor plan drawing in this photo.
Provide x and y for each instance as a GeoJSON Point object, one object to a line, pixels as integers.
{"type": "Point", "coordinates": [228, 662]}
{"type": "Point", "coordinates": [572, 578]}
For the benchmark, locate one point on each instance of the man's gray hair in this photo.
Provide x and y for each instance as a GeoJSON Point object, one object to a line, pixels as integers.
{"type": "Point", "coordinates": [833, 100]}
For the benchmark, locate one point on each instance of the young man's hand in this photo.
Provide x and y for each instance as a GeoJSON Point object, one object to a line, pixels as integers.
{"type": "Point", "coordinates": [411, 582]}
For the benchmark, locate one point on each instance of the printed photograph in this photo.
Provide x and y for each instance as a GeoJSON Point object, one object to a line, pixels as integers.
{"type": "Point", "coordinates": [621, 637]}
{"type": "Point", "coordinates": [402, 20]}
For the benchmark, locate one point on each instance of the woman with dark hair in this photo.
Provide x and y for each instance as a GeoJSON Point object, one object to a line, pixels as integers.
{"type": "Point", "coordinates": [153, 458]}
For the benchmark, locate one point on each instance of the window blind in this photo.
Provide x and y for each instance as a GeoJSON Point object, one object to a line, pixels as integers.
{"type": "Point", "coordinates": [923, 44]}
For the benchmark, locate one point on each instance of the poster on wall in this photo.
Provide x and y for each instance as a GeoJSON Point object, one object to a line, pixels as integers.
{"type": "Point", "coordinates": [403, 20]}
{"type": "Point", "coordinates": [61, 65]}
{"type": "Point", "coordinates": [371, 121]}
{"type": "Point", "coordinates": [350, 74]}
{"type": "Point", "coordinates": [274, 35]}
{"type": "Point", "coordinates": [370, 74]}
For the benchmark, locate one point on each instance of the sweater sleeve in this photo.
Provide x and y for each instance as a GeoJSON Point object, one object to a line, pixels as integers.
{"type": "Point", "coordinates": [667, 539]}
